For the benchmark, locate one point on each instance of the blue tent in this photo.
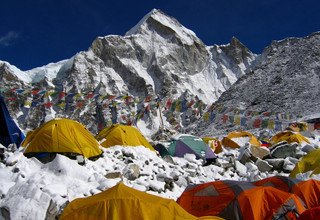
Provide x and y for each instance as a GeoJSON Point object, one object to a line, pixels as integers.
{"type": "Point", "coordinates": [9, 131]}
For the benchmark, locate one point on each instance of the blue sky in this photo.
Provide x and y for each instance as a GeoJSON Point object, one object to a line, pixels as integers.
{"type": "Point", "coordinates": [36, 32]}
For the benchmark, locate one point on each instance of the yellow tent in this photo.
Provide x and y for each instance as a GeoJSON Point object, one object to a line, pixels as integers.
{"type": "Point", "coordinates": [214, 143]}
{"type": "Point", "coordinates": [122, 202]}
{"type": "Point", "coordinates": [61, 136]}
{"type": "Point", "coordinates": [229, 142]}
{"type": "Point", "coordinates": [298, 126]}
{"type": "Point", "coordinates": [309, 162]}
{"type": "Point", "coordinates": [122, 135]}
{"type": "Point", "coordinates": [289, 137]}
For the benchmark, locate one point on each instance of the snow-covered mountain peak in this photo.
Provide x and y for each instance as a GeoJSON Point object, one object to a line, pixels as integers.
{"type": "Point", "coordinates": [48, 71]}
{"type": "Point", "coordinates": [158, 56]}
{"type": "Point", "coordinates": [7, 68]}
{"type": "Point", "coordinates": [158, 21]}
{"type": "Point", "coordinates": [238, 52]}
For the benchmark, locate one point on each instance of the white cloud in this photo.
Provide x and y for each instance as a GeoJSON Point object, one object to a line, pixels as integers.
{"type": "Point", "coordinates": [9, 38]}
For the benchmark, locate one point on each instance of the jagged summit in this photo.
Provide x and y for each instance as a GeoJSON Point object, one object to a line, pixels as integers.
{"type": "Point", "coordinates": [157, 57]}
{"type": "Point", "coordinates": [158, 21]}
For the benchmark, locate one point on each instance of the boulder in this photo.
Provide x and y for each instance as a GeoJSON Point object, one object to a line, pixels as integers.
{"type": "Point", "coordinates": [263, 165]}
{"type": "Point", "coordinates": [284, 151]}
{"type": "Point", "coordinates": [245, 155]}
{"type": "Point", "coordinates": [131, 171]}
{"type": "Point", "coordinates": [240, 168]}
{"type": "Point", "coordinates": [277, 164]}
{"type": "Point", "coordinates": [288, 165]}
{"type": "Point", "coordinates": [259, 152]}
{"type": "Point", "coordinates": [307, 148]}
{"type": "Point", "coordinates": [113, 175]}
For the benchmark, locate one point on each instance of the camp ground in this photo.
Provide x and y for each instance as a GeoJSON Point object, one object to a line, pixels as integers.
{"type": "Point", "coordinates": [123, 176]}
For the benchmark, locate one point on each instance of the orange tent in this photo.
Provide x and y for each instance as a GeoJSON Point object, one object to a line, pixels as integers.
{"type": "Point", "coordinates": [288, 136]}
{"type": "Point", "coordinates": [308, 191]}
{"type": "Point", "coordinates": [230, 139]}
{"type": "Point", "coordinates": [239, 200]}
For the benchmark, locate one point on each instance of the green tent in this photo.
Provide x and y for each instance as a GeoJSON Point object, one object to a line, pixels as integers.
{"type": "Point", "coordinates": [187, 144]}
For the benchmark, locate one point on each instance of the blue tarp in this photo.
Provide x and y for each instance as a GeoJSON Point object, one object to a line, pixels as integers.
{"type": "Point", "coordinates": [9, 132]}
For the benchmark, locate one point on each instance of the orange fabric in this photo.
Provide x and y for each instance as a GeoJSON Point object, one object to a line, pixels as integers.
{"type": "Point", "coordinates": [206, 205]}
{"type": "Point", "coordinates": [274, 182]}
{"type": "Point", "coordinates": [227, 142]}
{"type": "Point", "coordinates": [238, 134]}
{"type": "Point", "coordinates": [256, 203]}
{"type": "Point", "coordinates": [289, 137]}
{"type": "Point", "coordinates": [262, 203]}
{"type": "Point", "coordinates": [308, 191]}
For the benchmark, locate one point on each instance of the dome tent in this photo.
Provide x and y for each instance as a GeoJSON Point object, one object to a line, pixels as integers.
{"type": "Point", "coordinates": [123, 202]}
{"type": "Point", "coordinates": [64, 136]}
{"type": "Point", "coordinates": [230, 139]}
{"type": "Point", "coordinates": [309, 163]}
{"type": "Point", "coordinates": [239, 200]}
{"type": "Point", "coordinates": [308, 190]}
{"type": "Point", "coordinates": [124, 135]}
{"type": "Point", "coordinates": [288, 136]}
{"type": "Point", "coordinates": [187, 144]}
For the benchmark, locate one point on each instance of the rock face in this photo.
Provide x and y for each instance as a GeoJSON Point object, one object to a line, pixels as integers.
{"type": "Point", "coordinates": [284, 78]}
{"type": "Point", "coordinates": [158, 56]}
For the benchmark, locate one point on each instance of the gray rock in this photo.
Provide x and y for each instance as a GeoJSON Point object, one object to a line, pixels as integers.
{"type": "Point", "coordinates": [288, 166]}
{"type": "Point", "coordinates": [113, 175]}
{"type": "Point", "coordinates": [128, 154]}
{"type": "Point", "coordinates": [52, 211]}
{"type": "Point", "coordinates": [245, 155]}
{"type": "Point", "coordinates": [259, 152]}
{"type": "Point", "coordinates": [182, 181]}
{"type": "Point", "coordinates": [307, 148]}
{"type": "Point", "coordinates": [263, 165]}
{"type": "Point", "coordinates": [284, 151]}
{"type": "Point", "coordinates": [168, 159]}
{"type": "Point", "coordinates": [131, 171]}
{"type": "Point", "coordinates": [5, 212]}
{"type": "Point", "coordinates": [277, 164]}
{"type": "Point", "coordinates": [240, 168]}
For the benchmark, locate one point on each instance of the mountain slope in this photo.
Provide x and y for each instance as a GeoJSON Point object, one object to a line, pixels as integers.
{"type": "Point", "coordinates": [285, 78]}
{"type": "Point", "coordinates": [158, 57]}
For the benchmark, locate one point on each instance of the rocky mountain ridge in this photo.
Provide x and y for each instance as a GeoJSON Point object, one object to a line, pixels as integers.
{"type": "Point", "coordinates": [157, 57]}
{"type": "Point", "coordinates": [285, 79]}
{"type": "Point", "coordinates": [161, 58]}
